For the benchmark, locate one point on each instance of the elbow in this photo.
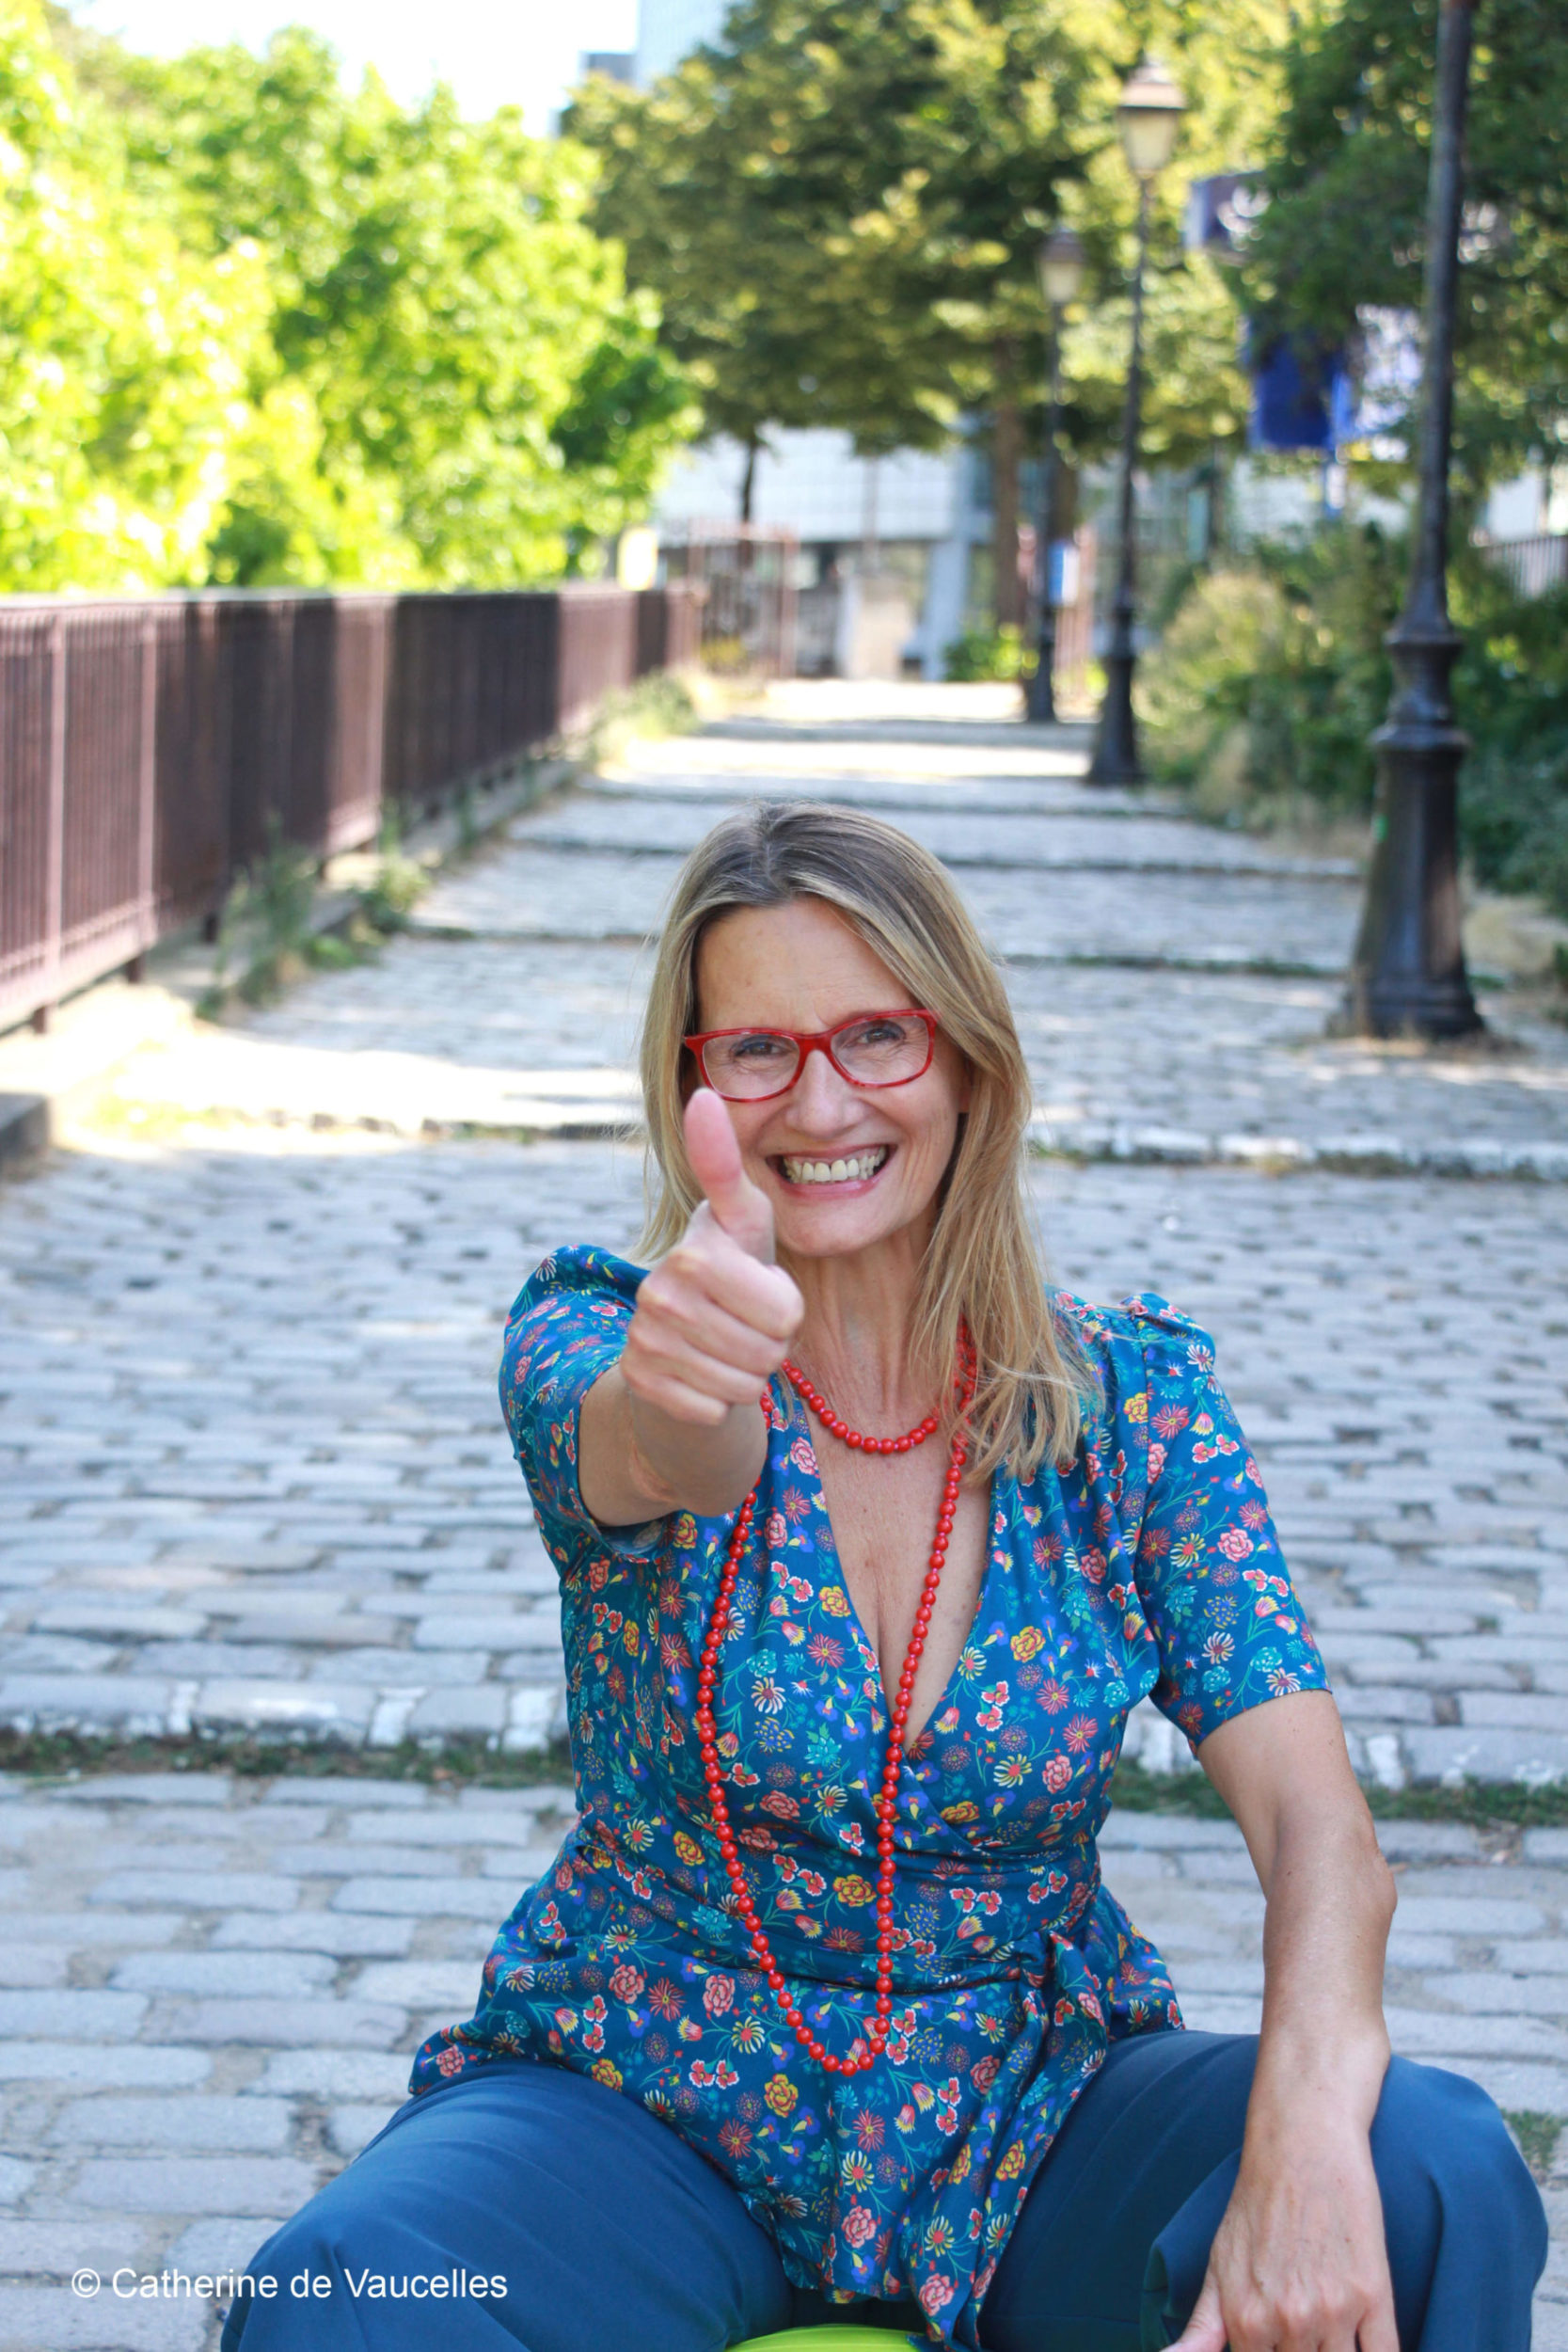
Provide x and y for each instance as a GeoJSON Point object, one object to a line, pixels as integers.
{"type": "Point", "coordinates": [1372, 1878]}
{"type": "Point", "coordinates": [1387, 1891]}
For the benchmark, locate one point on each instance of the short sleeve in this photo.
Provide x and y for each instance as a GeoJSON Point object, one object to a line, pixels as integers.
{"type": "Point", "coordinates": [566, 1327]}
{"type": "Point", "coordinates": [1215, 1590]}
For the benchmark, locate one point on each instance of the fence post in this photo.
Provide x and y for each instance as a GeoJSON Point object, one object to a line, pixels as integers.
{"type": "Point", "coordinates": [145, 799]}
{"type": "Point", "coordinates": [54, 892]}
{"type": "Point", "coordinates": [145, 744]}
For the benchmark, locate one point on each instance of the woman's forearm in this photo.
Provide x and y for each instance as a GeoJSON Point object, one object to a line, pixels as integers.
{"type": "Point", "coordinates": [1329, 1898]}
{"type": "Point", "coordinates": [1323, 2045]}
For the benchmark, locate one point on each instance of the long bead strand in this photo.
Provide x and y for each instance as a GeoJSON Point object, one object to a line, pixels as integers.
{"type": "Point", "coordinates": [762, 1952]}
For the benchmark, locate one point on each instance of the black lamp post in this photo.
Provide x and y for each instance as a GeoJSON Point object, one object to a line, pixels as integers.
{"type": "Point", "coordinates": [1407, 975]}
{"type": "Point", "coordinates": [1061, 271]}
{"type": "Point", "coordinates": [1148, 115]}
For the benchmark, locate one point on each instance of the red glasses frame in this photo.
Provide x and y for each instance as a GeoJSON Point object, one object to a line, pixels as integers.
{"type": "Point", "coordinates": [807, 1042]}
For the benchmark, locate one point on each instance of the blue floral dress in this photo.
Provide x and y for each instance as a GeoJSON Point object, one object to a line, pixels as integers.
{"type": "Point", "coordinates": [1149, 1567]}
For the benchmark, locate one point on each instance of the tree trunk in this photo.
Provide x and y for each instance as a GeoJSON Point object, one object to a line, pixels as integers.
{"type": "Point", "coordinates": [1007, 450]}
{"type": "Point", "coordinates": [748, 480]}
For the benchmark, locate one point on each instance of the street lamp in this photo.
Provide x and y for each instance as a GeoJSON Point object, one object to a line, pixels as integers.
{"type": "Point", "coordinates": [1147, 116]}
{"type": "Point", "coordinates": [1060, 263]}
{"type": "Point", "coordinates": [1407, 975]}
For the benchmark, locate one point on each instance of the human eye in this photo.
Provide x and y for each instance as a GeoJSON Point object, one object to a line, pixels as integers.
{"type": "Point", "coordinates": [873, 1032]}
{"type": "Point", "coordinates": [760, 1048]}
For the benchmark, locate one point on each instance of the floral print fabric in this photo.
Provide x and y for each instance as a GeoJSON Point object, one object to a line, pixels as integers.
{"type": "Point", "coordinates": [1149, 1567]}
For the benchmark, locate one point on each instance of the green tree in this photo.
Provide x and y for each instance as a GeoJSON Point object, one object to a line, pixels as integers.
{"type": "Point", "coordinates": [1349, 154]}
{"type": "Point", "coordinates": [456, 386]}
{"type": "Point", "coordinates": [839, 206]}
{"type": "Point", "coordinates": [122, 356]}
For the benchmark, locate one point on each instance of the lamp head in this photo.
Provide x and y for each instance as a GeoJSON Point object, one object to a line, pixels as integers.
{"type": "Point", "coordinates": [1148, 115]}
{"type": "Point", "coordinates": [1060, 263]}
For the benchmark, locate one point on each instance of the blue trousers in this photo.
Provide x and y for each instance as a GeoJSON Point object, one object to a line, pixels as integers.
{"type": "Point", "coordinates": [612, 2236]}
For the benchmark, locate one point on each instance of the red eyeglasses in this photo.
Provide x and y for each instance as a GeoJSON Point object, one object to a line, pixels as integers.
{"type": "Point", "coordinates": [872, 1049]}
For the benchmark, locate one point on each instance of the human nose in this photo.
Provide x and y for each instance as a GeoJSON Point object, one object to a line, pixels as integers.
{"type": "Point", "coordinates": [822, 1098]}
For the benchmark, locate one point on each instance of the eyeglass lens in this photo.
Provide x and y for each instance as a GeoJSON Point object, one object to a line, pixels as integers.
{"type": "Point", "coordinates": [882, 1050]}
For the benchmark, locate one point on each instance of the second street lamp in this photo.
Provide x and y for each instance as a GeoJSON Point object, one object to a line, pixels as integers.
{"type": "Point", "coordinates": [1149, 111]}
{"type": "Point", "coordinates": [1061, 269]}
{"type": "Point", "coordinates": [1407, 975]}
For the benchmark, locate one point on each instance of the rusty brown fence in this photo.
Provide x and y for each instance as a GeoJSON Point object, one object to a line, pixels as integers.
{"type": "Point", "coordinates": [150, 750]}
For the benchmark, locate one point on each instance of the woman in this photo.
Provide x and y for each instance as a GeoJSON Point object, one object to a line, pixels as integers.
{"type": "Point", "coordinates": [868, 1543]}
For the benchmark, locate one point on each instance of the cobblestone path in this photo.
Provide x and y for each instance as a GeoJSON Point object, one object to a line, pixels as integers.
{"type": "Point", "coordinates": [250, 1965]}
{"type": "Point", "coordinates": [255, 1477]}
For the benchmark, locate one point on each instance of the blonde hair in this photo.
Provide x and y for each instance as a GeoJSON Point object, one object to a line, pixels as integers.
{"type": "Point", "coordinates": [983, 1264]}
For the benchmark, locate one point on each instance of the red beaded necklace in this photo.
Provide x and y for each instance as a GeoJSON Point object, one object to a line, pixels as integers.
{"type": "Point", "coordinates": [887, 1795]}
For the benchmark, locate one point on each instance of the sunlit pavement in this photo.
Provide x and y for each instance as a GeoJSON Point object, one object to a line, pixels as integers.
{"type": "Point", "coordinates": [256, 1478]}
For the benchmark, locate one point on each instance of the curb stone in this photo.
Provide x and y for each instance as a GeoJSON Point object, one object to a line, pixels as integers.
{"type": "Point", "coordinates": [1481, 1159]}
{"type": "Point", "coordinates": [106, 1024]}
{"type": "Point", "coordinates": [24, 1126]}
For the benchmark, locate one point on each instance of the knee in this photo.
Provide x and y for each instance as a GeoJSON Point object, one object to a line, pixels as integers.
{"type": "Point", "coordinates": [294, 2249]}
{"type": "Point", "coordinates": [281, 2302]}
{"type": "Point", "coordinates": [1447, 2167]}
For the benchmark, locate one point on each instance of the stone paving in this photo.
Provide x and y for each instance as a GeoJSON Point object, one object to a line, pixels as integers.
{"type": "Point", "coordinates": [506, 1034]}
{"type": "Point", "coordinates": [255, 1478]}
{"type": "Point", "coordinates": [259, 1478]}
{"type": "Point", "coordinates": [211, 1989]}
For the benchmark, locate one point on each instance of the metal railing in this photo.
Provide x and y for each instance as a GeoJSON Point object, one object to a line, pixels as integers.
{"type": "Point", "coordinates": [747, 572]}
{"type": "Point", "coordinates": [149, 749]}
{"type": "Point", "coordinates": [1532, 567]}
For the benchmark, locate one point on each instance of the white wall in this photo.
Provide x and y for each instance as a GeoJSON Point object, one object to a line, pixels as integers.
{"type": "Point", "coordinates": [1271, 505]}
{"type": "Point", "coordinates": [813, 484]}
{"type": "Point", "coordinates": [1517, 510]}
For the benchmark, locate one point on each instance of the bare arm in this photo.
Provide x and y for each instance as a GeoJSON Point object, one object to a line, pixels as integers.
{"type": "Point", "coordinates": [676, 1423]}
{"type": "Point", "coordinates": [1299, 2263]}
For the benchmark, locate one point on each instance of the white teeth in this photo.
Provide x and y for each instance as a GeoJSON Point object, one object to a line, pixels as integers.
{"type": "Point", "coordinates": [862, 1165]}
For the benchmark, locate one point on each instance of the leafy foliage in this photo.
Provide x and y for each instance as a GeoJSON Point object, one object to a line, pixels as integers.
{"type": "Point", "coordinates": [1271, 676]}
{"type": "Point", "coordinates": [262, 329]}
{"type": "Point", "coordinates": [124, 357]}
{"type": "Point", "coordinates": [988, 653]}
{"type": "Point", "coordinates": [1350, 149]}
{"type": "Point", "coordinates": [1515, 688]}
{"type": "Point", "coordinates": [1263, 693]}
{"type": "Point", "coordinates": [839, 206]}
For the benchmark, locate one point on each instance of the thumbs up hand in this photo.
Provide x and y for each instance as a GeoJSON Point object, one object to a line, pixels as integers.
{"type": "Point", "coordinates": [741, 1208]}
{"type": "Point", "coordinates": [715, 1316]}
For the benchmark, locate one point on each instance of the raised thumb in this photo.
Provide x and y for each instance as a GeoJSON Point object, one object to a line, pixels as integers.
{"type": "Point", "coordinates": [741, 1209]}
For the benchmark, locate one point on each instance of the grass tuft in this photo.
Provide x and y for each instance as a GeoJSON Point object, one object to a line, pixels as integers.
{"type": "Point", "coordinates": [54, 1755]}
{"type": "Point", "coordinates": [470, 1763]}
{"type": "Point", "coordinates": [1537, 2135]}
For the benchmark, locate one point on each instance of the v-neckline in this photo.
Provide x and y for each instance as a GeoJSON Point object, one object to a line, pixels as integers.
{"type": "Point", "coordinates": [829, 1547]}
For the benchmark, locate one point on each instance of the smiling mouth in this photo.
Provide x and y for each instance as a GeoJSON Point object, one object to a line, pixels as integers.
{"type": "Point", "coordinates": [853, 1169]}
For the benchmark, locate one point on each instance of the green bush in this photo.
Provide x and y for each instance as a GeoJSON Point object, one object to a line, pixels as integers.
{"type": "Point", "coordinates": [1512, 691]}
{"type": "Point", "coordinates": [1270, 677]}
{"type": "Point", "coordinates": [1513, 818]}
{"type": "Point", "coordinates": [658, 705]}
{"type": "Point", "coordinates": [1262, 695]}
{"type": "Point", "coordinates": [988, 653]}
{"type": "Point", "coordinates": [387, 902]}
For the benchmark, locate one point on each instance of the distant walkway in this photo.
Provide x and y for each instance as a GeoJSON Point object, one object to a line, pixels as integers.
{"type": "Point", "coordinates": [249, 1438]}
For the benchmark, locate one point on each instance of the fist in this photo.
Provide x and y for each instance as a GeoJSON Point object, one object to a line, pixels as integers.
{"type": "Point", "coordinates": [715, 1316]}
